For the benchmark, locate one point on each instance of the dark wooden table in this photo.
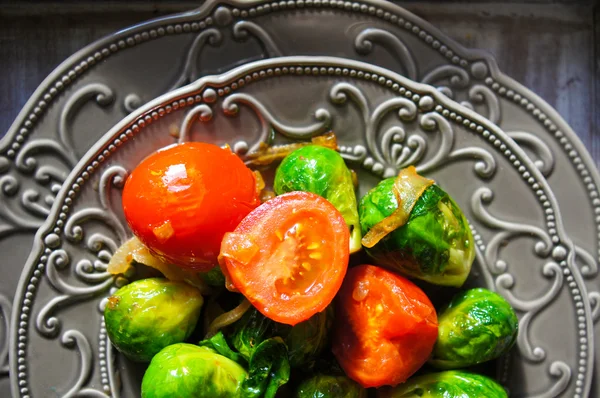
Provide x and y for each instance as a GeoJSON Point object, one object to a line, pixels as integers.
{"type": "Point", "coordinates": [552, 47]}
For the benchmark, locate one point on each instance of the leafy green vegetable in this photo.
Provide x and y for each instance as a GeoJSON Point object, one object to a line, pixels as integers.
{"type": "Point", "coordinates": [214, 277]}
{"type": "Point", "coordinates": [321, 171]}
{"type": "Point", "coordinates": [323, 386]}
{"type": "Point", "coordinates": [306, 340]}
{"type": "Point", "coordinates": [219, 344]}
{"type": "Point", "coordinates": [267, 360]}
{"type": "Point", "coordinates": [478, 325]}
{"type": "Point", "coordinates": [147, 315]}
{"type": "Point", "coordinates": [449, 384]}
{"type": "Point", "coordinates": [251, 330]}
{"type": "Point", "coordinates": [269, 369]}
{"type": "Point", "coordinates": [435, 245]}
{"type": "Point", "coordinates": [326, 363]}
{"type": "Point", "coordinates": [186, 370]}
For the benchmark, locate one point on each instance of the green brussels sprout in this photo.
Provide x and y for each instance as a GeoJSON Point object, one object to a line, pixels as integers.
{"type": "Point", "coordinates": [435, 244]}
{"type": "Point", "coordinates": [214, 277]}
{"type": "Point", "coordinates": [448, 384]}
{"type": "Point", "coordinates": [323, 386]}
{"type": "Point", "coordinates": [186, 370]}
{"type": "Point", "coordinates": [478, 325]}
{"type": "Point", "coordinates": [305, 341]}
{"type": "Point", "coordinates": [147, 315]}
{"type": "Point", "coordinates": [327, 363]}
{"type": "Point", "coordinates": [321, 171]}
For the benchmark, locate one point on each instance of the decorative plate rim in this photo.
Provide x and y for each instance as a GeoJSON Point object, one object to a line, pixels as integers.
{"type": "Point", "coordinates": [84, 59]}
{"type": "Point", "coordinates": [46, 238]}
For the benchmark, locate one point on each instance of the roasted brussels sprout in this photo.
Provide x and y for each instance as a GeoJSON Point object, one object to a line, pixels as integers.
{"type": "Point", "coordinates": [186, 370]}
{"type": "Point", "coordinates": [434, 244]}
{"type": "Point", "coordinates": [478, 325]}
{"type": "Point", "coordinates": [449, 384]}
{"type": "Point", "coordinates": [147, 315]}
{"type": "Point", "coordinates": [305, 341]}
{"type": "Point", "coordinates": [214, 277]}
{"type": "Point", "coordinates": [321, 171]}
{"type": "Point", "coordinates": [323, 386]}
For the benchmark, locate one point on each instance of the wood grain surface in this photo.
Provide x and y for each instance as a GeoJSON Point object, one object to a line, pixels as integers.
{"type": "Point", "coordinates": [551, 47]}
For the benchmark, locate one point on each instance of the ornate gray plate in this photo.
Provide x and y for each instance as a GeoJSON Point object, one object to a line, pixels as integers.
{"type": "Point", "coordinates": [383, 122]}
{"type": "Point", "coordinates": [99, 85]}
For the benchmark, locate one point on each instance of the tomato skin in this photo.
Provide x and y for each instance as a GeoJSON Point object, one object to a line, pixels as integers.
{"type": "Point", "coordinates": [182, 199]}
{"type": "Point", "coordinates": [386, 327]}
{"type": "Point", "coordinates": [289, 256]}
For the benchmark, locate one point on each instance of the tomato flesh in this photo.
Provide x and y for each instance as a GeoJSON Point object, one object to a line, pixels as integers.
{"type": "Point", "coordinates": [181, 200]}
{"type": "Point", "coordinates": [386, 327]}
{"type": "Point", "coordinates": [289, 256]}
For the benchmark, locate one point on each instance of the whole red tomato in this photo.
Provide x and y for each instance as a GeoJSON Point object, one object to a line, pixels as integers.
{"type": "Point", "coordinates": [385, 327]}
{"type": "Point", "coordinates": [182, 199]}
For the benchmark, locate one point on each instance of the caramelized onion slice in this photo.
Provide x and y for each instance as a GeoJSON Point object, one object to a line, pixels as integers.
{"type": "Point", "coordinates": [227, 318]}
{"type": "Point", "coordinates": [135, 250]}
{"type": "Point", "coordinates": [267, 154]}
{"type": "Point", "coordinates": [408, 188]}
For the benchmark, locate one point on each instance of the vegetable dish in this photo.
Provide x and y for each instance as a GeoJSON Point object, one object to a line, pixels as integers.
{"type": "Point", "coordinates": [304, 290]}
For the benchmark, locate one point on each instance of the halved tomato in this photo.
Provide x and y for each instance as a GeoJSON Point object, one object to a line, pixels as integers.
{"type": "Point", "coordinates": [289, 256]}
{"type": "Point", "coordinates": [386, 327]}
{"type": "Point", "coordinates": [181, 200]}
